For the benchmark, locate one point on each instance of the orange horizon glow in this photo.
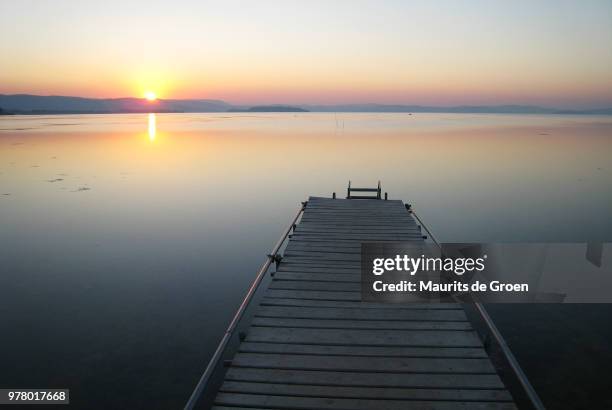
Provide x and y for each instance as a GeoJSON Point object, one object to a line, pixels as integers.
{"type": "Point", "coordinates": [434, 89]}
{"type": "Point", "coordinates": [468, 54]}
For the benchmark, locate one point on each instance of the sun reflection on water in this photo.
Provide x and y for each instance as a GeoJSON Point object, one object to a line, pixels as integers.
{"type": "Point", "coordinates": [152, 127]}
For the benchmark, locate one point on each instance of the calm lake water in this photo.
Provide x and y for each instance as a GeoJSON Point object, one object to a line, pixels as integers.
{"type": "Point", "coordinates": [127, 241]}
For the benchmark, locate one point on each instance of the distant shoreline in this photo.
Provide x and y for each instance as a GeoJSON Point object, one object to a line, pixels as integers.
{"type": "Point", "coordinates": [34, 113]}
{"type": "Point", "coordinates": [26, 104]}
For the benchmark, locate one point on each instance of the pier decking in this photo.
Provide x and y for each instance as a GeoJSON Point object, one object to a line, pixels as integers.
{"type": "Point", "coordinates": [313, 344]}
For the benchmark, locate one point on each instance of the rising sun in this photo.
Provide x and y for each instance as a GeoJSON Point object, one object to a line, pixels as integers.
{"type": "Point", "coordinates": [150, 95]}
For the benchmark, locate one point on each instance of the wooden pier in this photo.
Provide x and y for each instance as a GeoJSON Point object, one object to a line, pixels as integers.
{"type": "Point", "coordinates": [312, 343]}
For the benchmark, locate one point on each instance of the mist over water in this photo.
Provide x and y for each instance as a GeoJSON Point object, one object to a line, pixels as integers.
{"type": "Point", "coordinates": [127, 241]}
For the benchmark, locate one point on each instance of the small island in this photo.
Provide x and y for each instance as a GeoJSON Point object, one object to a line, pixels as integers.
{"type": "Point", "coordinates": [269, 108]}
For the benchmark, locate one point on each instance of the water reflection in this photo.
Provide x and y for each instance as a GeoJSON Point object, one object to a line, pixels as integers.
{"type": "Point", "coordinates": [152, 127]}
{"type": "Point", "coordinates": [159, 231]}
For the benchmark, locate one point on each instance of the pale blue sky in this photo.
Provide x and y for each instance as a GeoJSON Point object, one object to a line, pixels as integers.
{"type": "Point", "coordinates": [447, 52]}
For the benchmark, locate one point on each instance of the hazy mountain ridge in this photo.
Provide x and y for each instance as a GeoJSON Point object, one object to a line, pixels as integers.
{"type": "Point", "coordinates": [483, 109]}
{"type": "Point", "coordinates": [37, 104]}
{"type": "Point", "coordinates": [268, 108]}
{"type": "Point", "coordinates": [26, 103]}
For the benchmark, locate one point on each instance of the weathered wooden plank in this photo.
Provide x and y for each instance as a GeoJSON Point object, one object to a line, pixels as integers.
{"type": "Point", "coordinates": [309, 260]}
{"type": "Point", "coordinates": [297, 402]}
{"type": "Point", "coordinates": [358, 214]}
{"type": "Point", "coordinates": [322, 256]}
{"type": "Point", "coordinates": [388, 393]}
{"type": "Point", "coordinates": [360, 232]}
{"type": "Point", "coordinates": [363, 222]}
{"type": "Point", "coordinates": [360, 219]}
{"type": "Point", "coordinates": [324, 286]}
{"type": "Point", "coordinates": [346, 246]}
{"type": "Point", "coordinates": [352, 216]}
{"type": "Point", "coordinates": [322, 262]}
{"type": "Point", "coordinates": [315, 247]}
{"type": "Point", "coordinates": [344, 204]}
{"type": "Point", "coordinates": [313, 295]}
{"type": "Point", "coordinates": [235, 408]}
{"type": "Point", "coordinates": [363, 351]}
{"type": "Point", "coordinates": [288, 266]}
{"type": "Point", "coordinates": [322, 277]}
{"type": "Point", "coordinates": [327, 200]}
{"type": "Point", "coordinates": [331, 266]}
{"type": "Point", "coordinates": [322, 238]}
{"type": "Point", "coordinates": [389, 210]}
{"type": "Point", "coordinates": [402, 380]}
{"type": "Point", "coordinates": [353, 206]}
{"type": "Point", "coordinates": [357, 205]}
{"type": "Point", "coordinates": [357, 337]}
{"type": "Point", "coordinates": [330, 253]}
{"type": "Point", "coordinates": [342, 243]}
{"type": "Point", "coordinates": [358, 324]}
{"type": "Point", "coordinates": [358, 237]}
{"type": "Point", "coordinates": [349, 227]}
{"type": "Point", "coordinates": [335, 265]}
{"type": "Point", "coordinates": [348, 207]}
{"type": "Point", "coordinates": [326, 258]}
{"type": "Point", "coordinates": [316, 286]}
{"type": "Point", "coordinates": [291, 275]}
{"type": "Point", "coordinates": [295, 267]}
{"type": "Point", "coordinates": [344, 220]}
{"type": "Point", "coordinates": [364, 364]}
{"type": "Point", "coordinates": [324, 246]}
{"type": "Point", "coordinates": [389, 214]}
{"type": "Point", "coordinates": [266, 301]}
{"type": "Point", "coordinates": [359, 313]}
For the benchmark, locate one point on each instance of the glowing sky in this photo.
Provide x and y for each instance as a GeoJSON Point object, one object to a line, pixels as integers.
{"type": "Point", "coordinates": [553, 53]}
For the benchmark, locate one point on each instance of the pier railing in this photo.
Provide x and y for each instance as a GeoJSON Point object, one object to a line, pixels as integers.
{"type": "Point", "coordinates": [377, 192]}
{"type": "Point", "coordinates": [273, 257]}
{"type": "Point", "coordinates": [528, 392]}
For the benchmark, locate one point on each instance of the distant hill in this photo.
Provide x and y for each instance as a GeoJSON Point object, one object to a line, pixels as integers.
{"type": "Point", "coordinates": [476, 109]}
{"type": "Point", "coordinates": [37, 104]}
{"type": "Point", "coordinates": [268, 108]}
